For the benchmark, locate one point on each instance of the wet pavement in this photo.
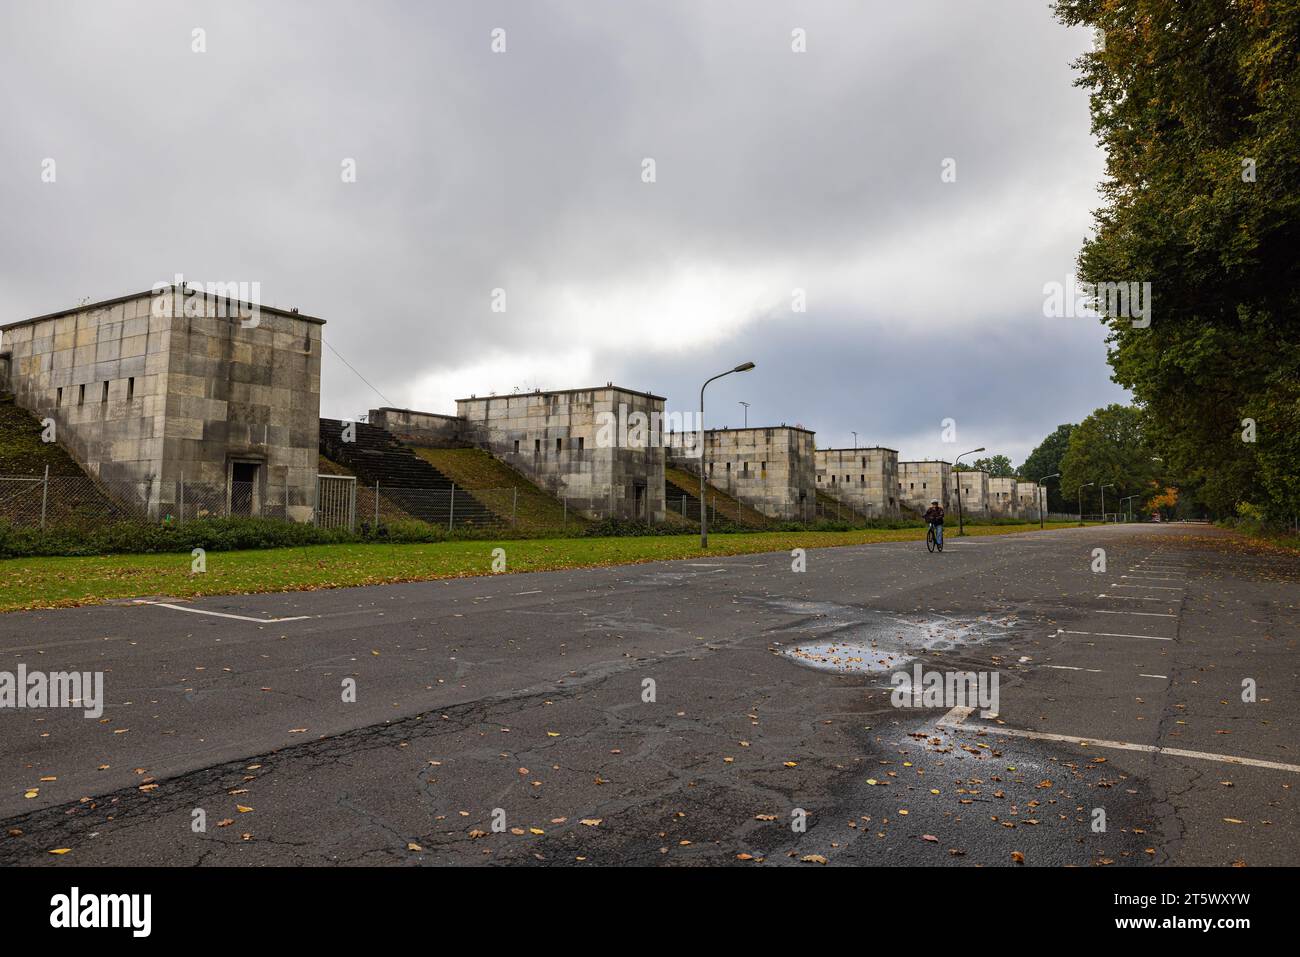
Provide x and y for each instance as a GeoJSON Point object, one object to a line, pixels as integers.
{"type": "Point", "coordinates": [722, 711]}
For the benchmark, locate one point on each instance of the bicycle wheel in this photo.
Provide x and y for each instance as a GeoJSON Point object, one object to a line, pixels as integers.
{"type": "Point", "coordinates": [930, 542]}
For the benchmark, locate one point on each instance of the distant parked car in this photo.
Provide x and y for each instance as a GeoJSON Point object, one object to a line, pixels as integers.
{"type": "Point", "coordinates": [1155, 517]}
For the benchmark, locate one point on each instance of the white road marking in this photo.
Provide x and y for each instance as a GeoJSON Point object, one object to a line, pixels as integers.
{"type": "Point", "coordinates": [954, 718]}
{"type": "Point", "coordinates": [1152, 587]}
{"type": "Point", "coordinates": [535, 591]}
{"type": "Point", "coordinates": [1147, 614]}
{"type": "Point", "coordinates": [1113, 634]}
{"type": "Point", "coordinates": [1094, 671]}
{"type": "Point", "coordinates": [222, 614]}
{"type": "Point", "coordinates": [1152, 578]}
{"type": "Point", "coordinates": [1132, 597]}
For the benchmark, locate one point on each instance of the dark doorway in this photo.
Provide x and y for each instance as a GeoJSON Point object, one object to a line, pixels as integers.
{"type": "Point", "coordinates": [639, 491]}
{"type": "Point", "coordinates": [243, 487]}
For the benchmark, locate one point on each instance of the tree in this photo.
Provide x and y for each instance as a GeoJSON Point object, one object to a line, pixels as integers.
{"type": "Point", "coordinates": [1109, 447]}
{"type": "Point", "coordinates": [1197, 103]}
{"type": "Point", "coordinates": [1045, 460]}
{"type": "Point", "coordinates": [998, 466]}
{"type": "Point", "coordinates": [1164, 502]}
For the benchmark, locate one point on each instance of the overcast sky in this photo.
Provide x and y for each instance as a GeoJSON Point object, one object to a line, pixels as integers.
{"type": "Point", "coordinates": [523, 170]}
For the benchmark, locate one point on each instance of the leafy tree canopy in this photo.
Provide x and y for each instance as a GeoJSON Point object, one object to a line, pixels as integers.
{"type": "Point", "coordinates": [1045, 460]}
{"type": "Point", "coordinates": [1197, 104]}
{"type": "Point", "coordinates": [1110, 447]}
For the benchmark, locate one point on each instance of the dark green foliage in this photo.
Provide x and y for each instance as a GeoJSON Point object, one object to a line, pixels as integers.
{"type": "Point", "coordinates": [1197, 103]}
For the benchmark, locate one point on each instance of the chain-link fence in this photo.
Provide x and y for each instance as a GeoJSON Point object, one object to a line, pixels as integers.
{"type": "Point", "coordinates": [453, 507]}
{"type": "Point", "coordinates": [79, 502]}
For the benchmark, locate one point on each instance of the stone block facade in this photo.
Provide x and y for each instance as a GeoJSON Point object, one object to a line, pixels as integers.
{"type": "Point", "coordinates": [773, 470]}
{"type": "Point", "coordinates": [974, 487]}
{"type": "Point", "coordinates": [1027, 500]}
{"type": "Point", "coordinates": [1003, 502]}
{"type": "Point", "coordinates": [600, 449]}
{"type": "Point", "coordinates": [426, 429]}
{"type": "Point", "coordinates": [864, 479]}
{"type": "Point", "coordinates": [920, 482]}
{"type": "Point", "coordinates": [171, 385]}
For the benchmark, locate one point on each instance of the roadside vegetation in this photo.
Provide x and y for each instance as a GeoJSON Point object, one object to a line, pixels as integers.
{"type": "Point", "coordinates": [47, 582]}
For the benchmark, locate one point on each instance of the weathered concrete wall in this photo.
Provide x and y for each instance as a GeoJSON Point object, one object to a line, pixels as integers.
{"type": "Point", "coordinates": [864, 479]}
{"type": "Point", "coordinates": [1027, 499]}
{"type": "Point", "coordinates": [600, 449]}
{"type": "Point", "coordinates": [422, 428]}
{"type": "Point", "coordinates": [919, 482]}
{"type": "Point", "coordinates": [773, 470]}
{"type": "Point", "coordinates": [1002, 498]}
{"type": "Point", "coordinates": [974, 493]}
{"type": "Point", "coordinates": [148, 388]}
{"type": "Point", "coordinates": [59, 365]}
{"type": "Point", "coordinates": [240, 393]}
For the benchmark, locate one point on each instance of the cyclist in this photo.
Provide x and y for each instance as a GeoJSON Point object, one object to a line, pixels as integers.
{"type": "Point", "coordinates": [934, 516]}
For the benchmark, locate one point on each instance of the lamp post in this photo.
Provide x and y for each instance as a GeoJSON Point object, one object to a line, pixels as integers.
{"type": "Point", "coordinates": [961, 523]}
{"type": "Point", "coordinates": [746, 405]}
{"type": "Point", "coordinates": [855, 440]}
{"type": "Point", "coordinates": [1042, 495]}
{"type": "Point", "coordinates": [704, 452]}
{"type": "Point", "coordinates": [1081, 488]}
{"type": "Point", "coordinates": [1103, 500]}
{"type": "Point", "coordinates": [1127, 498]}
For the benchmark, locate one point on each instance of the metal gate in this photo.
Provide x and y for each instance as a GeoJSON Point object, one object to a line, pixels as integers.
{"type": "Point", "coordinates": [336, 501]}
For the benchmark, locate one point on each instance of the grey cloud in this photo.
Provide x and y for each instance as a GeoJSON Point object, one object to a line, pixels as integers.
{"type": "Point", "coordinates": [522, 170]}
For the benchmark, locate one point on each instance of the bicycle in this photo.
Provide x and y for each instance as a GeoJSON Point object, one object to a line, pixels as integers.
{"type": "Point", "coordinates": [933, 541]}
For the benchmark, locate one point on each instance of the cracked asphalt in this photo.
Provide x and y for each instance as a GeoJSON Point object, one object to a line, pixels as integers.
{"type": "Point", "coordinates": [654, 714]}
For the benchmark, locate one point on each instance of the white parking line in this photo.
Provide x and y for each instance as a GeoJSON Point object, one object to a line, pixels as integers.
{"type": "Point", "coordinates": [222, 614]}
{"type": "Point", "coordinates": [1152, 587]}
{"type": "Point", "coordinates": [954, 718]}
{"type": "Point", "coordinates": [1111, 634]}
{"type": "Point", "coordinates": [1152, 578]}
{"type": "Point", "coordinates": [1145, 614]}
{"type": "Point", "coordinates": [1132, 597]}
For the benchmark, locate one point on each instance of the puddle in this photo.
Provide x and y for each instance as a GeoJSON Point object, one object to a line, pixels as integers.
{"type": "Point", "coordinates": [847, 640]}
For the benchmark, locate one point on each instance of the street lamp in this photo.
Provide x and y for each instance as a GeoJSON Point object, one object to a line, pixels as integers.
{"type": "Point", "coordinates": [1081, 488]}
{"type": "Point", "coordinates": [704, 452]}
{"type": "Point", "coordinates": [1103, 500]}
{"type": "Point", "coordinates": [1042, 496]}
{"type": "Point", "coordinates": [1127, 498]}
{"type": "Point", "coordinates": [855, 440]}
{"type": "Point", "coordinates": [746, 405]}
{"type": "Point", "coordinates": [961, 524]}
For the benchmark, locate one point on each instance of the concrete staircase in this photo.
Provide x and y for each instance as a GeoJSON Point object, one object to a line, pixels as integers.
{"type": "Point", "coordinates": [679, 482]}
{"type": "Point", "coordinates": [405, 479]}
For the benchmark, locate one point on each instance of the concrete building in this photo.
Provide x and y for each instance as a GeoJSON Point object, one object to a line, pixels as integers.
{"type": "Point", "coordinates": [421, 428]}
{"type": "Point", "coordinates": [175, 384]}
{"type": "Point", "coordinates": [1027, 500]}
{"type": "Point", "coordinates": [600, 449]}
{"type": "Point", "coordinates": [773, 469]}
{"type": "Point", "coordinates": [1002, 499]}
{"type": "Point", "coordinates": [865, 479]}
{"type": "Point", "coordinates": [920, 482]}
{"type": "Point", "coordinates": [974, 487]}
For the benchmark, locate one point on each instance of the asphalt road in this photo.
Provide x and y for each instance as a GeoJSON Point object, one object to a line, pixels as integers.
{"type": "Point", "coordinates": [693, 712]}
